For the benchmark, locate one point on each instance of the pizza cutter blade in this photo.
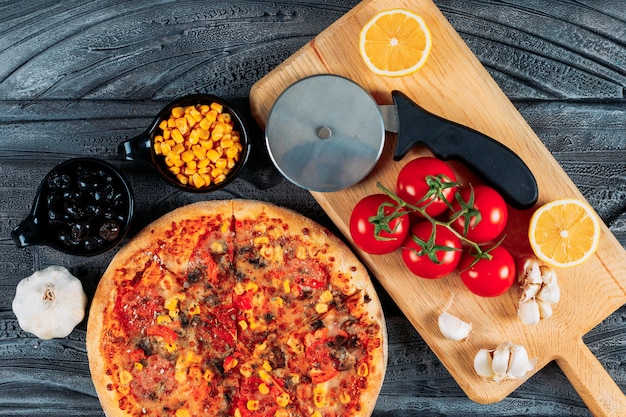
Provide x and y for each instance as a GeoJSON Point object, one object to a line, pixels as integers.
{"type": "Point", "coordinates": [326, 133]}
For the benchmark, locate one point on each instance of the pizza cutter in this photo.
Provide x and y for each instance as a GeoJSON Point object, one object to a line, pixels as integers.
{"type": "Point", "coordinates": [326, 133]}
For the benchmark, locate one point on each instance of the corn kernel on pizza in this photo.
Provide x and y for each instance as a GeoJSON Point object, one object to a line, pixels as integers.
{"type": "Point", "coordinates": [236, 308]}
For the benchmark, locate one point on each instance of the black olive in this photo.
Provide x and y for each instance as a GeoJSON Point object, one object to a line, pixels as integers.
{"type": "Point", "coordinates": [269, 317]}
{"type": "Point", "coordinates": [97, 196]}
{"type": "Point", "coordinates": [110, 230]}
{"type": "Point", "coordinates": [93, 242]}
{"type": "Point", "coordinates": [86, 182]}
{"type": "Point", "coordinates": [196, 274]}
{"type": "Point", "coordinates": [79, 231]}
{"type": "Point", "coordinates": [103, 176]}
{"type": "Point", "coordinates": [317, 324]}
{"type": "Point", "coordinates": [74, 209]}
{"type": "Point", "coordinates": [52, 199]}
{"type": "Point", "coordinates": [119, 199]}
{"type": "Point", "coordinates": [93, 210]}
{"type": "Point", "coordinates": [277, 358]}
{"type": "Point", "coordinates": [147, 346]}
{"type": "Point", "coordinates": [305, 294]}
{"type": "Point", "coordinates": [59, 181]}
{"type": "Point", "coordinates": [73, 237]}
{"type": "Point", "coordinates": [114, 215]}
{"type": "Point", "coordinates": [54, 217]}
{"type": "Point", "coordinates": [337, 341]}
{"type": "Point", "coordinates": [63, 236]}
{"type": "Point", "coordinates": [109, 193]}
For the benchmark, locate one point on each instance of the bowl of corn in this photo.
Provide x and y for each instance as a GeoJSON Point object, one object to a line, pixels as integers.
{"type": "Point", "coordinates": [198, 143]}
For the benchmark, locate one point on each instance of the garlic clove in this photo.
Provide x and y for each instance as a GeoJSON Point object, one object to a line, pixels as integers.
{"type": "Point", "coordinates": [500, 362]}
{"type": "Point", "coordinates": [507, 361]}
{"type": "Point", "coordinates": [529, 278]}
{"type": "Point", "coordinates": [547, 274]}
{"type": "Point", "coordinates": [452, 327]}
{"type": "Point", "coordinates": [529, 291]}
{"type": "Point", "coordinates": [483, 364]}
{"type": "Point", "coordinates": [530, 271]}
{"type": "Point", "coordinates": [545, 309]}
{"type": "Point", "coordinates": [519, 364]}
{"type": "Point", "coordinates": [529, 312]}
{"type": "Point", "coordinates": [550, 293]}
{"type": "Point", "coordinates": [539, 291]}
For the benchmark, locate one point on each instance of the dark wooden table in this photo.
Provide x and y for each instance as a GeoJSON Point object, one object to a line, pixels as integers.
{"type": "Point", "coordinates": [78, 77]}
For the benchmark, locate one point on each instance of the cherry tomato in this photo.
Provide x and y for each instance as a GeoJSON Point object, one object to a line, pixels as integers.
{"type": "Point", "coordinates": [438, 257]}
{"type": "Point", "coordinates": [488, 217]}
{"type": "Point", "coordinates": [378, 239]}
{"type": "Point", "coordinates": [488, 277]}
{"type": "Point", "coordinates": [428, 183]}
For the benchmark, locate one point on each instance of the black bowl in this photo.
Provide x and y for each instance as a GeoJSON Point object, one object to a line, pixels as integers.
{"type": "Point", "coordinates": [84, 206]}
{"type": "Point", "coordinates": [141, 148]}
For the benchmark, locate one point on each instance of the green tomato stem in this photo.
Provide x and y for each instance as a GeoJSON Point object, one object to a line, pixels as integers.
{"type": "Point", "coordinates": [403, 206]}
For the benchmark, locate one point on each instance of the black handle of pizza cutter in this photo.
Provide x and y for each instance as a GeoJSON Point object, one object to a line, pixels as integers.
{"type": "Point", "coordinates": [496, 164]}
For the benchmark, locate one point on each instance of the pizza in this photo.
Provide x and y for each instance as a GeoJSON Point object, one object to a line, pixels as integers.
{"type": "Point", "coordinates": [236, 308]}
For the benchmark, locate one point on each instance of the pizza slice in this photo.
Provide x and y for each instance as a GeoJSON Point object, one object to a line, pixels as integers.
{"type": "Point", "coordinates": [163, 321]}
{"type": "Point", "coordinates": [334, 365]}
{"type": "Point", "coordinates": [268, 302]}
{"type": "Point", "coordinates": [171, 343]}
{"type": "Point", "coordinates": [196, 243]}
{"type": "Point", "coordinates": [345, 354]}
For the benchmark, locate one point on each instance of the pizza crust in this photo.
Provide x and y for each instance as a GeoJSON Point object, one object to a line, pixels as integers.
{"type": "Point", "coordinates": [348, 274]}
{"type": "Point", "coordinates": [94, 330]}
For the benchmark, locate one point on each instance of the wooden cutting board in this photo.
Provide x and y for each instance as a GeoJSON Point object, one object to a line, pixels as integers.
{"type": "Point", "coordinates": [454, 85]}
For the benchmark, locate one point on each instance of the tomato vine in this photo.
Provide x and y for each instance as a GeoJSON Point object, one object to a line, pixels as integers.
{"type": "Point", "coordinates": [467, 210]}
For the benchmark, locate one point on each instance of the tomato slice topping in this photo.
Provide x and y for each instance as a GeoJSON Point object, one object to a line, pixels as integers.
{"type": "Point", "coordinates": [168, 335]}
{"type": "Point", "coordinates": [244, 301]}
{"type": "Point", "coordinates": [323, 365]}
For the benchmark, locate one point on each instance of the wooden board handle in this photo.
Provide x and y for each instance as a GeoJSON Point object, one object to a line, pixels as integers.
{"type": "Point", "coordinates": [598, 390]}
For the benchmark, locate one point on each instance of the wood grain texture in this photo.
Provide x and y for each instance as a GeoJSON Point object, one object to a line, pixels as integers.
{"type": "Point", "coordinates": [78, 77]}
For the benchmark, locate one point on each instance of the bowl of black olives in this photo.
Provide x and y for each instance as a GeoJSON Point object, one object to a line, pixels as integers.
{"type": "Point", "coordinates": [83, 207]}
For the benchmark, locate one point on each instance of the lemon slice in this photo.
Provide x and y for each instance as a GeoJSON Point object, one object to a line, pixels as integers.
{"type": "Point", "coordinates": [564, 233]}
{"type": "Point", "coordinates": [395, 43]}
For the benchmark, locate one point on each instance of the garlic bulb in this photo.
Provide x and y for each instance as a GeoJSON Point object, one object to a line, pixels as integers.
{"type": "Point", "coordinates": [49, 303]}
{"type": "Point", "coordinates": [540, 291]}
{"type": "Point", "coordinates": [506, 361]}
{"type": "Point", "coordinates": [452, 327]}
